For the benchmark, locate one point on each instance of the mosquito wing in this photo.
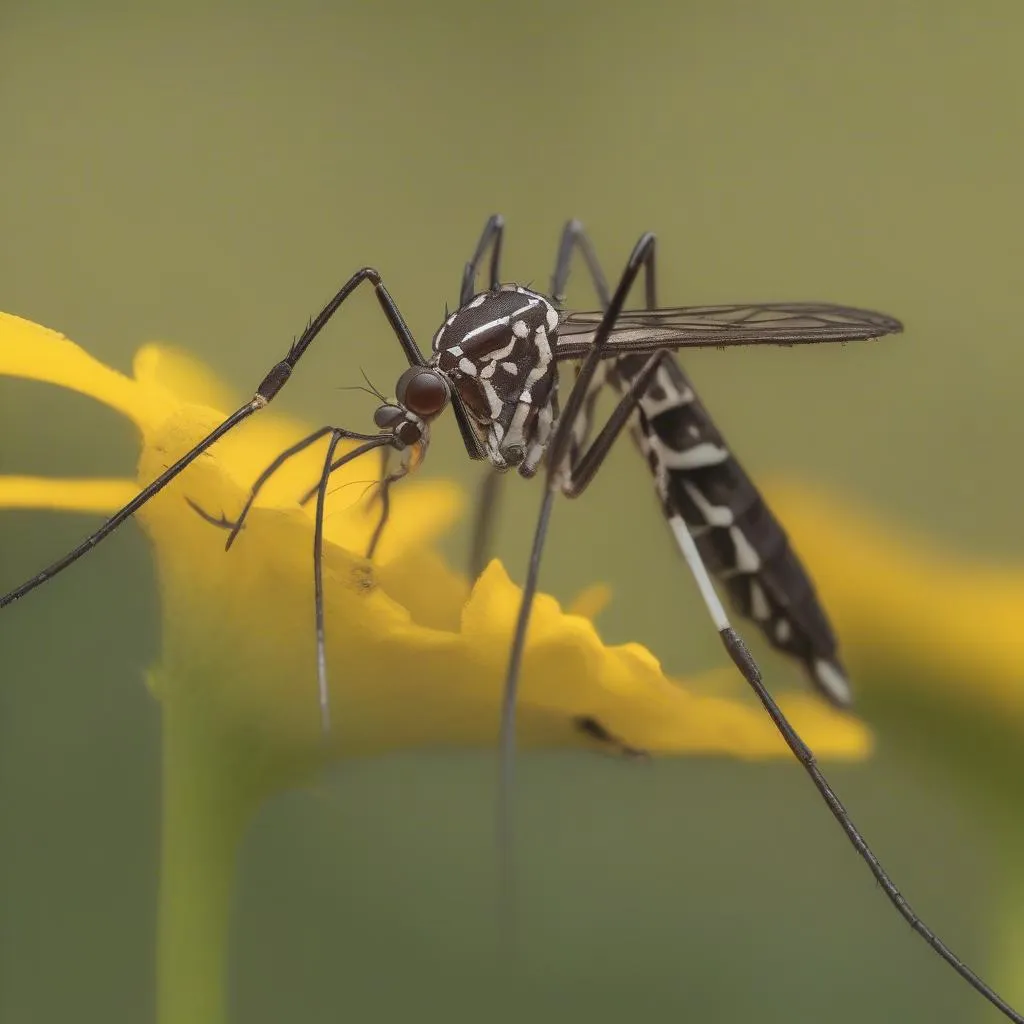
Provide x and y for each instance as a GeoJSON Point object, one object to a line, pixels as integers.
{"type": "Point", "coordinates": [766, 323]}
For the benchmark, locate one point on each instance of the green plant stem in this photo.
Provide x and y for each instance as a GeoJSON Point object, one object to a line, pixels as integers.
{"type": "Point", "coordinates": [206, 806]}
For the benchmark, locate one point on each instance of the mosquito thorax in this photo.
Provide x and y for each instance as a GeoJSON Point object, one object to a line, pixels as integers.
{"type": "Point", "coordinates": [498, 353]}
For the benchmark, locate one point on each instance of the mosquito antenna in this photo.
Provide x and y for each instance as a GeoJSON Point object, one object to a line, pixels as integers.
{"type": "Point", "coordinates": [369, 389]}
{"type": "Point", "coordinates": [373, 387]}
{"type": "Point", "coordinates": [359, 387]}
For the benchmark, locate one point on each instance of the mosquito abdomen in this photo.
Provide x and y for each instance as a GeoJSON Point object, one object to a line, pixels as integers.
{"type": "Point", "coordinates": [742, 543]}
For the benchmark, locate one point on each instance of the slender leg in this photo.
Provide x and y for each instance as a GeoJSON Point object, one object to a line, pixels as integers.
{"type": "Point", "coordinates": [386, 483]}
{"type": "Point", "coordinates": [563, 434]}
{"type": "Point", "coordinates": [575, 237]}
{"type": "Point", "coordinates": [234, 527]}
{"type": "Point", "coordinates": [489, 491]}
{"type": "Point", "coordinates": [279, 462]}
{"type": "Point", "coordinates": [744, 661]}
{"type": "Point", "coordinates": [318, 585]}
{"type": "Point", "coordinates": [491, 238]}
{"type": "Point", "coordinates": [384, 493]}
{"type": "Point", "coordinates": [558, 451]}
{"type": "Point", "coordinates": [268, 389]}
{"type": "Point", "coordinates": [485, 519]}
{"type": "Point", "coordinates": [330, 465]}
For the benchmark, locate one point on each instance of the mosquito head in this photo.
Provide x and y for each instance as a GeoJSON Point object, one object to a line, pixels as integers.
{"type": "Point", "coordinates": [497, 353]}
{"type": "Point", "coordinates": [420, 394]}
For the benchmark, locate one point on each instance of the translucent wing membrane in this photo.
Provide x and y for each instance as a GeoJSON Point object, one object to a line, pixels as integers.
{"type": "Point", "coordinates": [766, 323]}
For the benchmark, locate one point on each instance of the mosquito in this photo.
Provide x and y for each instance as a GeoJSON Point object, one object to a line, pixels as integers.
{"type": "Point", "coordinates": [495, 361]}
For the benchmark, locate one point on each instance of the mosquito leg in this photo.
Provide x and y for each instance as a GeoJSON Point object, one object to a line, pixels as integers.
{"type": "Point", "coordinates": [384, 492]}
{"type": "Point", "coordinates": [575, 238]}
{"type": "Point", "coordinates": [318, 584]}
{"type": "Point", "coordinates": [485, 520]}
{"type": "Point", "coordinates": [572, 481]}
{"type": "Point", "coordinates": [388, 480]}
{"type": "Point", "coordinates": [580, 471]}
{"type": "Point", "coordinates": [268, 389]}
{"type": "Point", "coordinates": [744, 661]}
{"type": "Point", "coordinates": [488, 494]}
{"type": "Point", "coordinates": [557, 452]}
{"type": "Point", "coordinates": [330, 465]}
{"type": "Point", "coordinates": [281, 460]}
{"type": "Point", "coordinates": [385, 512]}
{"type": "Point", "coordinates": [563, 434]}
{"type": "Point", "coordinates": [491, 238]}
{"type": "Point", "coordinates": [220, 521]}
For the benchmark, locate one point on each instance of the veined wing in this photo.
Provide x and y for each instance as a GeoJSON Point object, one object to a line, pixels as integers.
{"type": "Point", "coordinates": [766, 323]}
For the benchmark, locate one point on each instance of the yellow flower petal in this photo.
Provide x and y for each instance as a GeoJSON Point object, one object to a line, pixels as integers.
{"type": "Point", "coordinates": [36, 353]}
{"type": "Point", "coordinates": [184, 378]}
{"type": "Point", "coordinates": [568, 672]}
{"type": "Point", "coordinates": [65, 494]}
{"type": "Point", "coordinates": [591, 601]}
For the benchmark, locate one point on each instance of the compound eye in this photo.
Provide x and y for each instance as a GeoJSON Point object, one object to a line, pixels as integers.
{"type": "Point", "coordinates": [386, 416]}
{"type": "Point", "coordinates": [409, 433]}
{"type": "Point", "coordinates": [422, 391]}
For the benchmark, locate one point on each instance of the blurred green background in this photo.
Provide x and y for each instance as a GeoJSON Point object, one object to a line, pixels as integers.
{"type": "Point", "coordinates": [208, 175]}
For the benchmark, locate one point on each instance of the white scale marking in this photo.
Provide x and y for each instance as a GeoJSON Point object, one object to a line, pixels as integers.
{"type": "Point", "coordinates": [467, 366]}
{"type": "Point", "coordinates": [833, 680]}
{"type": "Point", "coordinates": [515, 431]}
{"type": "Point", "coordinates": [545, 419]}
{"type": "Point", "coordinates": [714, 515]}
{"type": "Point", "coordinates": [501, 321]}
{"type": "Point", "coordinates": [747, 558]}
{"type": "Point", "coordinates": [510, 368]}
{"type": "Point", "coordinates": [688, 546]}
{"type": "Point", "coordinates": [492, 398]}
{"type": "Point", "coordinates": [760, 609]}
{"type": "Point", "coordinates": [503, 353]}
{"type": "Point", "coordinates": [446, 324]}
{"type": "Point", "coordinates": [697, 457]}
{"type": "Point", "coordinates": [673, 397]}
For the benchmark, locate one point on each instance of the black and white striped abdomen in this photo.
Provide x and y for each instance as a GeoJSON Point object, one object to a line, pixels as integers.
{"type": "Point", "coordinates": [741, 542]}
